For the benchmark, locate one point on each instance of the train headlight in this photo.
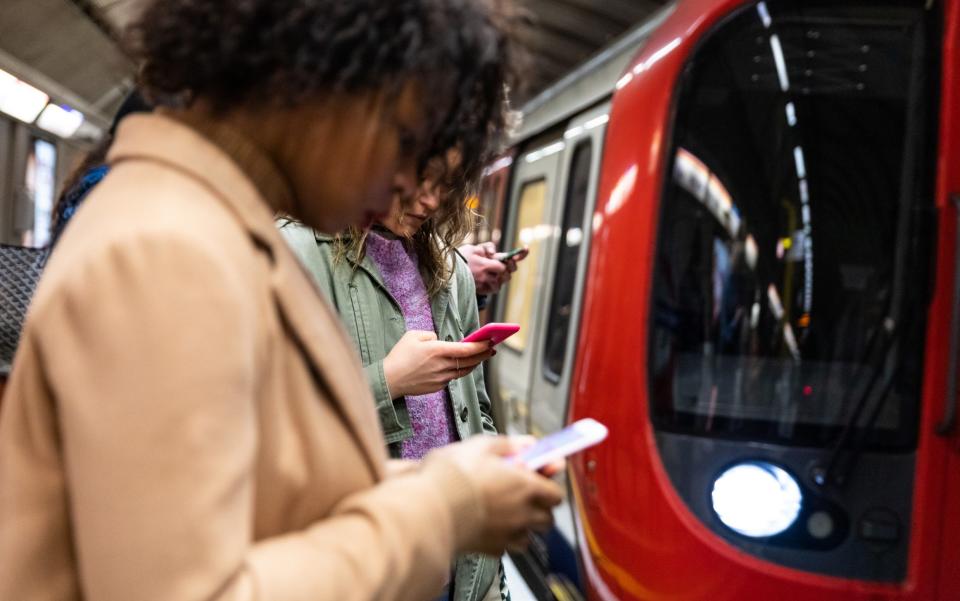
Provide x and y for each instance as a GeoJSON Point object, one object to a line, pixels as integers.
{"type": "Point", "coordinates": [756, 499]}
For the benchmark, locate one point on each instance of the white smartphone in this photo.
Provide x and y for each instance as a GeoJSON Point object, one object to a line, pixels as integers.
{"type": "Point", "coordinates": [576, 437]}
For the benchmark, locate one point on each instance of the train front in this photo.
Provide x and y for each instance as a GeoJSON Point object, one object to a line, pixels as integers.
{"type": "Point", "coordinates": [770, 317]}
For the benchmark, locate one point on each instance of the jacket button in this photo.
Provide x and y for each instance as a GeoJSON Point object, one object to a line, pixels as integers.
{"type": "Point", "coordinates": [463, 414]}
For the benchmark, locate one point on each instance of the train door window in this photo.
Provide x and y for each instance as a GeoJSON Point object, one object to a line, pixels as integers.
{"type": "Point", "coordinates": [791, 266]}
{"type": "Point", "coordinates": [520, 293]}
{"type": "Point", "coordinates": [564, 280]}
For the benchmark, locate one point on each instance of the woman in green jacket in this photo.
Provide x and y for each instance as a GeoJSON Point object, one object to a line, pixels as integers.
{"type": "Point", "coordinates": [407, 298]}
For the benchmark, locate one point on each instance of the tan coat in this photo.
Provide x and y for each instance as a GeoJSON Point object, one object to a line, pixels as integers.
{"type": "Point", "coordinates": [186, 419]}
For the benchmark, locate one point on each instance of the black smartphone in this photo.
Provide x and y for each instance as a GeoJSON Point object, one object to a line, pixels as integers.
{"type": "Point", "coordinates": [511, 254]}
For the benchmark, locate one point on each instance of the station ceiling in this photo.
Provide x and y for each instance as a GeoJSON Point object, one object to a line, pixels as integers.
{"type": "Point", "coordinates": [561, 34]}
{"type": "Point", "coordinates": [55, 46]}
{"type": "Point", "coordinates": [69, 48]}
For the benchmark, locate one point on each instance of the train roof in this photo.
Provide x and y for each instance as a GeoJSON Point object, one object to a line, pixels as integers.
{"type": "Point", "coordinates": [589, 83]}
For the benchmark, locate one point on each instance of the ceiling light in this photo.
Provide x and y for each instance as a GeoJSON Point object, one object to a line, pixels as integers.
{"type": "Point", "coordinates": [60, 121]}
{"type": "Point", "coordinates": [19, 99]}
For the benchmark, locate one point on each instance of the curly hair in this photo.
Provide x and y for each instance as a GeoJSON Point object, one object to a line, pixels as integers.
{"type": "Point", "coordinates": [438, 237]}
{"type": "Point", "coordinates": [239, 52]}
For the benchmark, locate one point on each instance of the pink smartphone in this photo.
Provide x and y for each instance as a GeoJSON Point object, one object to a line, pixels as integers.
{"type": "Point", "coordinates": [494, 332]}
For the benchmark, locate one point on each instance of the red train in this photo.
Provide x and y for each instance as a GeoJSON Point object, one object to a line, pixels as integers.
{"type": "Point", "coordinates": [744, 228]}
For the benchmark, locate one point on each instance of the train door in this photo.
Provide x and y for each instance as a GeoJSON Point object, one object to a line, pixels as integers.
{"type": "Point", "coordinates": [566, 270]}
{"type": "Point", "coordinates": [489, 205]}
{"type": "Point", "coordinates": [529, 224]}
{"type": "Point", "coordinates": [551, 563]}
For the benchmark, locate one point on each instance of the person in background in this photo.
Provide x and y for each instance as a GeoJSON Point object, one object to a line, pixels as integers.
{"type": "Point", "coordinates": [92, 169]}
{"type": "Point", "coordinates": [490, 272]}
{"type": "Point", "coordinates": [186, 419]}
{"type": "Point", "coordinates": [407, 298]}
{"type": "Point", "coordinates": [22, 266]}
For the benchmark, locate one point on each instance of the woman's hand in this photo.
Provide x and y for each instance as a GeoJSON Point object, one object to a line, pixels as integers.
{"type": "Point", "coordinates": [515, 500]}
{"type": "Point", "coordinates": [511, 265]}
{"type": "Point", "coordinates": [421, 364]}
{"type": "Point", "coordinates": [487, 271]}
{"type": "Point", "coordinates": [551, 469]}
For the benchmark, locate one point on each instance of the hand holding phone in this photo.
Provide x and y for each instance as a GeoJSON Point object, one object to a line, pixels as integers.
{"type": "Point", "coordinates": [504, 257]}
{"type": "Point", "coordinates": [494, 332]}
{"type": "Point", "coordinates": [576, 437]}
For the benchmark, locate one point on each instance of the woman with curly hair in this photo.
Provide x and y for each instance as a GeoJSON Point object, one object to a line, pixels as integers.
{"type": "Point", "coordinates": [186, 419]}
{"type": "Point", "coordinates": [407, 298]}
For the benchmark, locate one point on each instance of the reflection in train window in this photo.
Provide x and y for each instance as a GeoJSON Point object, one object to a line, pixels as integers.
{"type": "Point", "coordinates": [790, 267]}
{"type": "Point", "coordinates": [571, 237]}
{"type": "Point", "coordinates": [529, 232]}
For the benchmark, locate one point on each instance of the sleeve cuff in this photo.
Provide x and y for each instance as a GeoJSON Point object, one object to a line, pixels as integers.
{"type": "Point", "coordinates": [378, 382]}
{"type": "Point", "coordinates": [467, 512]}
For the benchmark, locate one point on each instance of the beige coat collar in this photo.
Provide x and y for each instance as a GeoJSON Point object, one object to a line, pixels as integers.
{"type": "Point", "coordinates": [239, 176]}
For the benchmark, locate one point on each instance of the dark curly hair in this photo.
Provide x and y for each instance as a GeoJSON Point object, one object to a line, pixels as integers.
{"type": "Point", "coordinates": [237, 52]}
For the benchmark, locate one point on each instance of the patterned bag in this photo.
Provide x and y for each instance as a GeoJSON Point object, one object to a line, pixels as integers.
{"type": "Point", "coordinates": [20, 269]}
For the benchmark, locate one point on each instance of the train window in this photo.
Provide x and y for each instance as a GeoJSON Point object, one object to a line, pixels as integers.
{"type": "Point", "coordinates": [520, 292]}
{"type": "Point", "coordinates": [790, 273]}
{"type": "Point", "coordinates": [571, 236]}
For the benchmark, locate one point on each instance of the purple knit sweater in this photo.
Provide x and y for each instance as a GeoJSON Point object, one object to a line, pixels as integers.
{"type": "Point", "coordinates": [430, 414]}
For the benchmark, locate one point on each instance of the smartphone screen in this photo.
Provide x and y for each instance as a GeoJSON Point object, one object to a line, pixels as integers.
{"type": "Point", "coordinates": [511, 254]}
{"type": "Point", "coordinates": [576, 437]}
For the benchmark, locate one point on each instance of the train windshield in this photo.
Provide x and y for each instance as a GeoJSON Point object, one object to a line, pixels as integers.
{"type": "Point", "coordinates": [792, 262]}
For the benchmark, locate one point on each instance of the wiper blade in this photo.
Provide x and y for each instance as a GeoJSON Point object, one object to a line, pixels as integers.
{"type": "Point", "coordinates": [837, 465]}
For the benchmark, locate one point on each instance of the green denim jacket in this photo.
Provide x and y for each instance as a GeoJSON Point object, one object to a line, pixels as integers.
{"type": "Point", "coordinates": [375, 322]}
